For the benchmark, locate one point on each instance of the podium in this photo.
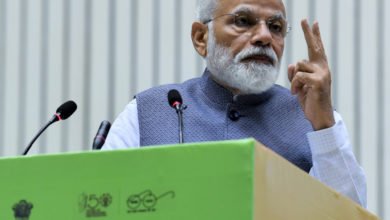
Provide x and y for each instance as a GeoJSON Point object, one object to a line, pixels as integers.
{"type": "Point", "coordinates": [229, 180]}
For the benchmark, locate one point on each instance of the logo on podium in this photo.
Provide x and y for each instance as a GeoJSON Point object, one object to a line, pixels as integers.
{"type": "Point", "coordinates": [145, 201]}
{"type": "Point", "coordinates": [94, 205]}
{"type": "Point", "coordinates": [22, 210]}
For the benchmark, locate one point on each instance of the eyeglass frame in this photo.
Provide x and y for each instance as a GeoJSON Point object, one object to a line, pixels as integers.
{"type": "Point", "coordinates": [258, 20]}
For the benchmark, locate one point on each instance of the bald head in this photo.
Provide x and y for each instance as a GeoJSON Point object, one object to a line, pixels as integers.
{"type": "Point", "coordinates": [207, 8]}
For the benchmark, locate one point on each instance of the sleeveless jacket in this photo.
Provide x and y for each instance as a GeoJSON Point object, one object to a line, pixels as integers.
{"type": "Point", "coordinates": [274, 118]}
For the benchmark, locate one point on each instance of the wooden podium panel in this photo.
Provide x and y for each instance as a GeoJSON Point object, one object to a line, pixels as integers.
{"type": "Point", "coordinates": [283, 191]}
{"type": "Point", "coordinates": [237, 180]}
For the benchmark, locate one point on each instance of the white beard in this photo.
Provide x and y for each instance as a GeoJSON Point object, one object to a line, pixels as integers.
{"type": "Point", "coordinates": [247, 78]}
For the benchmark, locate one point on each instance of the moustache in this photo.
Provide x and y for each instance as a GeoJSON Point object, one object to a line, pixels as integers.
{"type": "Point", "coordinates": [265, 54]}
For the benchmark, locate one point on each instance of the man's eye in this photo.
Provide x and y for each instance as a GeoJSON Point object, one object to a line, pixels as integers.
{"type": "Point", "coordinates": [242, 21]}
{"type": "Point", "coordinates": [275, 27]}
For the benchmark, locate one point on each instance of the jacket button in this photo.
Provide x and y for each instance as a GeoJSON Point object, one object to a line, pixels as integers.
{"type": "Point", "coordinates": [234, 115]}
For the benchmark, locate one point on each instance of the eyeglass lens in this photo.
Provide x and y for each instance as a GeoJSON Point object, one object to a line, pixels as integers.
{"type": "Point", "coordinates": [245, 21]}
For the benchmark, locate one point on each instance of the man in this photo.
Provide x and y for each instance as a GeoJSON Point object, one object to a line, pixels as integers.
{"type": "Point", "coordinates": [242, 42]}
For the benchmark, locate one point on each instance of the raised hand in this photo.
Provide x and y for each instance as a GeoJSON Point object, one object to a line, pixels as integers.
{"type": "Point", "coordinates": [311, 80]}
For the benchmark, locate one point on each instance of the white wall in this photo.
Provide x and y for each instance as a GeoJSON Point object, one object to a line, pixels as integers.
{"type": "Point", "coordinates": [101, 52]}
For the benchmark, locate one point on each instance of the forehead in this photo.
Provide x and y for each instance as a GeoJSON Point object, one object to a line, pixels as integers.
{"type": "Point", "coordinates": [263, 7]}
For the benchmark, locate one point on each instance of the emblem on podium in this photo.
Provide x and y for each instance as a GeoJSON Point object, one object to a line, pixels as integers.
{"type": "Point", "coordinates": [22, 210]}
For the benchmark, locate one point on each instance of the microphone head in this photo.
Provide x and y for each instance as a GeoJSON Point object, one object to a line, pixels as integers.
{"type": "Point", "coordinates": [101, 135]}
{"type": "Point", "coordinates": [104, 128]}
{"type": "Point", "coordinates": [174, 98]}
{"type": "Point", "coordinates": [66, 109]}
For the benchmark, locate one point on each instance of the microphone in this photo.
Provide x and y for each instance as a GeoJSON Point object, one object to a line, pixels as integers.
{"type": "Point", "coordinates": [174, 99]}
{"type": "Point", "coordinates": [101, 135]}
{"type": "Point", "coordinates": [176, 102]}
{"type": "Point", "coordinates": [63, 112]}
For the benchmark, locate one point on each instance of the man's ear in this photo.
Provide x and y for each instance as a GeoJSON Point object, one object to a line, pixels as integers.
{"type": "Point", "coordinates": [199, 35]}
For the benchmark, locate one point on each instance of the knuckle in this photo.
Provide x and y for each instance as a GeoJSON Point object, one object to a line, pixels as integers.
{"type": "Point", "coordinates": [322, 83]}
{"type": "Point", "coordinates": [302, 63]}
{"type": "Point", "coordinates": [318, 50]}
{"type": "Point", "coordinates": [299, 74]}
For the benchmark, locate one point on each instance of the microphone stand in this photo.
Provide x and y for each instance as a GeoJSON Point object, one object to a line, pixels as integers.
{"type": "Point", "coordinates": [52, 120]}
{"type": "Point", "coordinates": [179, 110]}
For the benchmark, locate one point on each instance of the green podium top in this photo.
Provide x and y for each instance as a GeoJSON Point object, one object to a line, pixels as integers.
{"type": "Point", "coordinates": [229, 180]}
{"type": "Point", "coordinates": [191, 181]}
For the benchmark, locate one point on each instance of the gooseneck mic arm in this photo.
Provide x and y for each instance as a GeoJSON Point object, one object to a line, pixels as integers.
{"type": "Point", "coordinates": [176, 102]}
{"type": "Point", "coordinates": [52, 120]}
{"type": "Point", "coordinates": [63, 112]}
{"type": "Point", "coordinates": [179, 111]}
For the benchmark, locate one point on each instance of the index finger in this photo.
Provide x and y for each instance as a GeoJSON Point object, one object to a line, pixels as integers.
{"type": "Point", "coordinates": [313, 41]}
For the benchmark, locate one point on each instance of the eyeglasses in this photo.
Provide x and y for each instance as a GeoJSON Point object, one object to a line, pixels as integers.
{"type": "Point", "coordinates": [243, 22]}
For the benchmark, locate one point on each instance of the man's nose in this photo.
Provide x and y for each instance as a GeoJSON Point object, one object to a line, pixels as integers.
{"type": "Point", "coordinates": [261, 35]}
